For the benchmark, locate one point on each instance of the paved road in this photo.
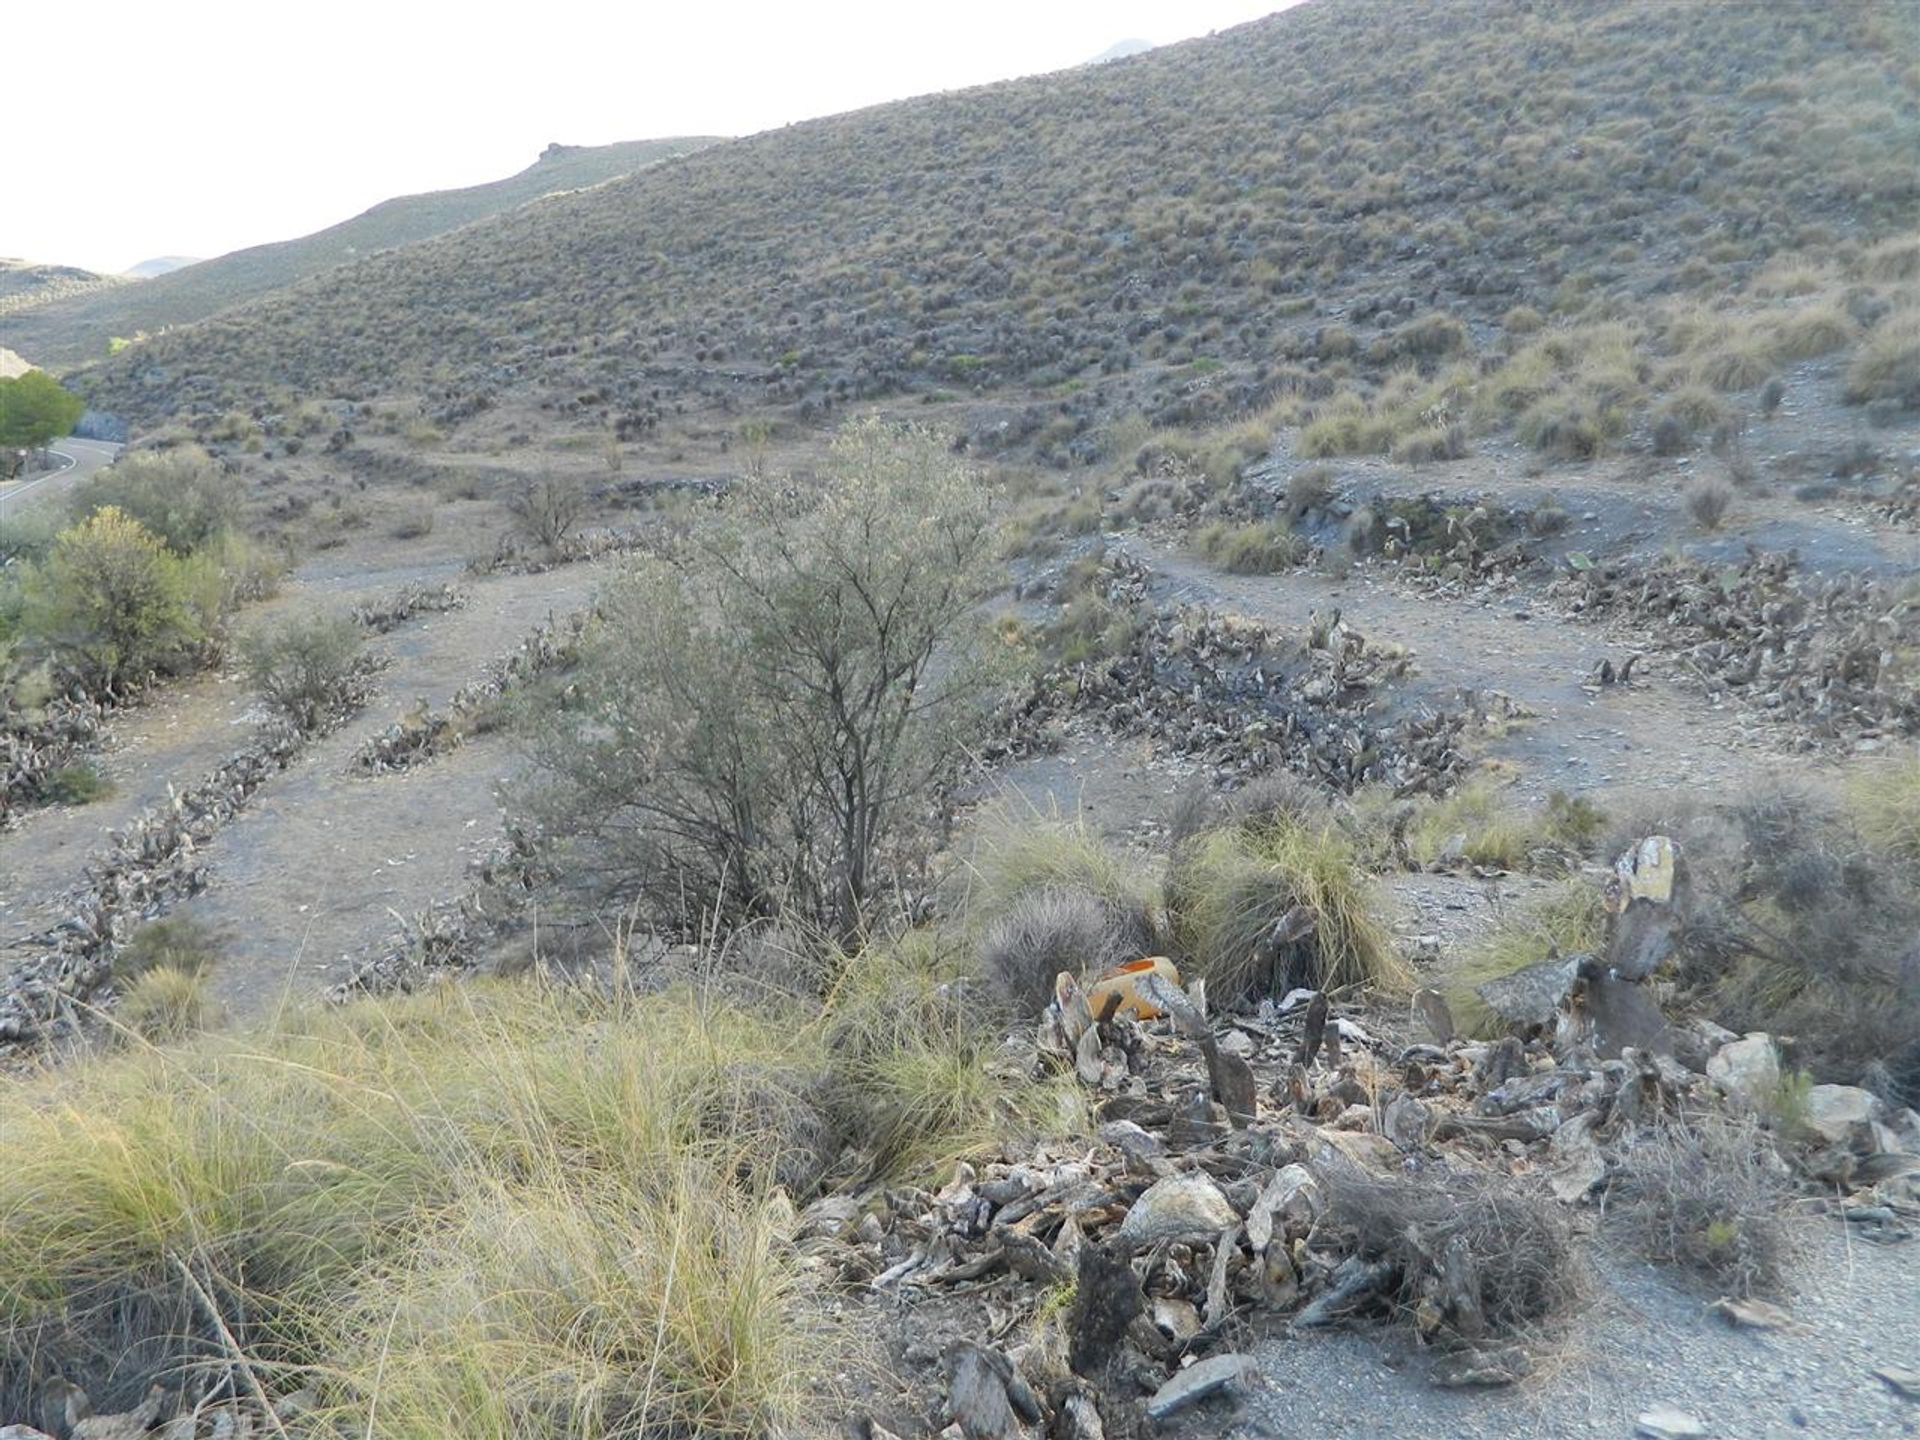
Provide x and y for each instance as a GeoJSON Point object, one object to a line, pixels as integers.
{"type": "Point", "coordinates": [81, 458]}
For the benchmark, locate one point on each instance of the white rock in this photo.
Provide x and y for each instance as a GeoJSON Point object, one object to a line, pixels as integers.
{"type": "Point", "coordinates": [1663, 1422]}
{"type": "Point", "coordinates": [1833, 1111]}
{"type": "Point", "coordinates": [1747, 1069]}
{"type": "Point", "coordinates": [1180, 1207]}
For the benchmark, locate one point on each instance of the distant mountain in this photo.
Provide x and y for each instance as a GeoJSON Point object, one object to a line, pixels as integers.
{"type": "Point", "coordinates": [160, 265]}
{"type": "Point", "coordinates": [73, 330]}
{"type": "Point", "coordinates": [1319, 211]}
{"type": "Point", "coordinates": [26, 285]}
{"type": "Point", "coordinates": [1120, 50]}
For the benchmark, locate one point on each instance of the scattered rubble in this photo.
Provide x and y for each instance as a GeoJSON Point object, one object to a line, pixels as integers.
{"type": "Point", "coordinates": [393, 611]}
{"type": "Point", "coordinates": [1426, 1183]}
{"type": "Point", "coordinates": [1830, 654]}
{"type": "Point", "coordinates": [1234, 696]}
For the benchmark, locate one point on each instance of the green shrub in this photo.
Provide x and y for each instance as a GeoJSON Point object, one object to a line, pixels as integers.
{"type": "Point", "coordinates": [111, 603]}
{"type": "Point", "coordinates": [182, 495]}
{"type": "Point", "coordinates": [77, 784]}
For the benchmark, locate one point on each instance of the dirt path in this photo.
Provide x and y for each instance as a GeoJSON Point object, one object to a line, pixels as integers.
{"type": "Point", "coordinates": [314, 873]}
{"type": "Point", "coordinates": [171, 740]}
{"type": "Point", "coordinates": [1658, 732]}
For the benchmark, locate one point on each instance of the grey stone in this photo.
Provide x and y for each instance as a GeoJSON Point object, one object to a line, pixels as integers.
{"type": "Point", "coordinates": [1836, 1112]}
{"type": "Point", "coordinates": [1532, 996]}
{"type": "Point", "coordinates": [1180, 1207]}
{"type": "Point", "coordinates": [1207, 1377]}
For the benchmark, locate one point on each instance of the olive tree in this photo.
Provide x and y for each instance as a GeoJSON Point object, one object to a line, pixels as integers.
{"type": "Point", "coordinates": [762, 714]}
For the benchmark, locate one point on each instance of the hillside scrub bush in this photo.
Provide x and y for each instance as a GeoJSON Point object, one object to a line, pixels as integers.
{"type": "Point", "coordinates": [182, 495]}
{"type": "Point", "coordinates": [760, 718]}
{"type": "Point", "coordinates": [547, 510]}
{"type": "Point", "coordinates": [1706, 1200]}
{"type": "Point", "coordinates": [307, 667]}
{"type": "Point", "coordinates": [1227, 889]}
{"type": "Point", "coordinates": [111, 604]}
{"type": "Point", "coordinates": [1256, 547]}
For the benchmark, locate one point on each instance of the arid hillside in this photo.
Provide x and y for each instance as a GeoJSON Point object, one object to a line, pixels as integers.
{"type": "Point", "coordinates": [79, 326]}
{"type": "Point", "coordinates": [25, 285]}
{"type": "Point", "coordinates": [1289, 211]}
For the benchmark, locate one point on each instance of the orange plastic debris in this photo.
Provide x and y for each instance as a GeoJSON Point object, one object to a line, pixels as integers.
{"type": "Point", "coordinates": [1124, 981]}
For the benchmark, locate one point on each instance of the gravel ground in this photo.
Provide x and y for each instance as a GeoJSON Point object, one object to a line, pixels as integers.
{"type": "Point", "coordinates": [1644, 1343]}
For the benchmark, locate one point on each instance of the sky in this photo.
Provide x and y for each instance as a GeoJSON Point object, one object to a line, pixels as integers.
{"type": "Point", "coordinates": [202, 126]}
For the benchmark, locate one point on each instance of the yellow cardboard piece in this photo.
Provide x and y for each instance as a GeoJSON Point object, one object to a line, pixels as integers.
{"type": "Point", "coordinates": [1124, 981]}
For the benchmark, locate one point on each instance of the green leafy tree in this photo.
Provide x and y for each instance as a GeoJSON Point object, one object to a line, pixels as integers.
{"type": "Point", "coordinates": [112, 604]}
{"type": "Point", "coordinates": [36, 408]}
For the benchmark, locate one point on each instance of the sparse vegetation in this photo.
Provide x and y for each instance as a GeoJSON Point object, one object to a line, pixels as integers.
{"type": "Point", "coordinates": [1256, 547]}
{"type": "Point", "coordinates": [1707, 1200]}
{"type": "Point", "coordinates": [441, 1163]}
{"type": "Point", "coordinates": [306, 668]}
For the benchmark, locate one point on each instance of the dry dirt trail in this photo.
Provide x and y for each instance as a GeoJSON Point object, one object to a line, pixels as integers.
{"type": "Point", "coordinates": [1660, 731]}
{"type": "Point", "coordinates": [312, 873]}
{"type": "Point", "coordinates": [170, 740]}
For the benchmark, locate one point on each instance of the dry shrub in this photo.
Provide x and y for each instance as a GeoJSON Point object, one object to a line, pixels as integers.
{"type": "Point", "coordinates": [1048, 931]}
{"type": "Point", "coordinates": [1228, 888]}
{"type": "Point", "coordinates": [1708, 502]}
{"type": "Point", "coordinates": [1473, 1256]}
{"type": "Point", "coordinates": [1708, 1200]}
{"type": "Point", "coordinates": [1887, 364]}
{"type": "Point", "coordinates": [1884, 799]}
{"type": "Point", "coordinates": [1492, 831]}
{"type": "Point", "coordinates": [1259, 547]}
{"type": "Point", "coordinates": [1017, 860]}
